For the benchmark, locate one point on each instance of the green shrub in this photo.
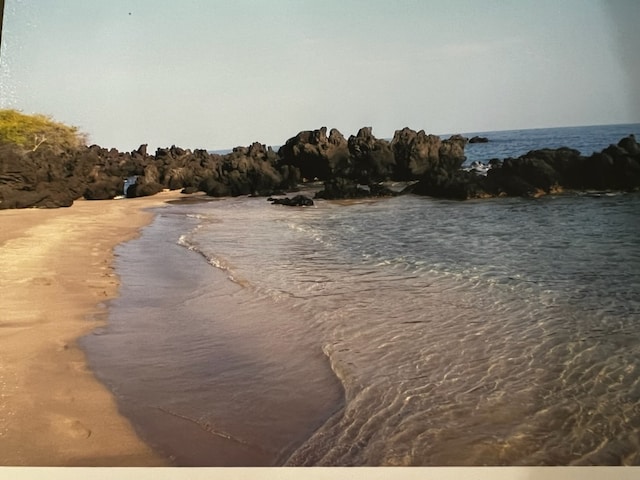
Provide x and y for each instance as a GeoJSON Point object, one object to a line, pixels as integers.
{"type": "Point", "coordinates": [33, 132]}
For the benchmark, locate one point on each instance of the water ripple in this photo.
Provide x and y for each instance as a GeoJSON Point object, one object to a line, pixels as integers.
{"type": "Point", "coordinates": [496, 332]}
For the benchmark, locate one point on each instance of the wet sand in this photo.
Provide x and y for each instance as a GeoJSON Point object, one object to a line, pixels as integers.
{"type": "Point", "coordinates": [210, 372]}
{"type": "Point", "coordinates": [56, 274]}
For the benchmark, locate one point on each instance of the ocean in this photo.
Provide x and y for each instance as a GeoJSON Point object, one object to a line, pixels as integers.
{"type": "Point", "coordinates": [398, 331]}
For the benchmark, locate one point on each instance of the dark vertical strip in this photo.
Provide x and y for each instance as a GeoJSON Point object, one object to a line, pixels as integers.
{"type": "Point", "coordinates": [1, 21]}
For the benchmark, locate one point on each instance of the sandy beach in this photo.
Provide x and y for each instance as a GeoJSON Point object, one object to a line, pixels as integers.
{"type": "Point", "coordinates": [56, 276]}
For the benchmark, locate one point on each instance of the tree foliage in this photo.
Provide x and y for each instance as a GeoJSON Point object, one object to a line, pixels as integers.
{"type": "Point", "coordinates": [34, 132]}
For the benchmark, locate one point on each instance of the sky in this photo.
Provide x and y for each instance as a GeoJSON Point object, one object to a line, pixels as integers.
{"type": "Point", "coordinates": [216, 74]}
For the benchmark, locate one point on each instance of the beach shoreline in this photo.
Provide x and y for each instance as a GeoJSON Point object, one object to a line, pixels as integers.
{"type": "Point", "coordinates": [57, 274]}
{"type": "Point", "coordinates": [209, 371]}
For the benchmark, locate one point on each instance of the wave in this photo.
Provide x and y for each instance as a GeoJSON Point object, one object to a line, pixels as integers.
{"type": "Point", "coordinates": [308, 452]}
{"type": "Point", "coordinates": [215, 261]}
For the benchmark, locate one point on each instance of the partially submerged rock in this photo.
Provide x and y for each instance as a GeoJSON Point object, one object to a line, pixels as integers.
{"type": "Point", "coordinates": [297, 201]}
{"type": "Point", "coordinates": [344, 188]}
{"type": "Point", "coordinates": [540, 172]}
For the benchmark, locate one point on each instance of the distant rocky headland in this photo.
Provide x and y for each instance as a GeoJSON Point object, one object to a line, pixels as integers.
{"type": "Point", "coordinates": [350, 168]}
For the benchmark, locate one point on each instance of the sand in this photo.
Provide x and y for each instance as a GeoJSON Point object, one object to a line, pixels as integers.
{"type": "Point", "coordinates": [55, 276]}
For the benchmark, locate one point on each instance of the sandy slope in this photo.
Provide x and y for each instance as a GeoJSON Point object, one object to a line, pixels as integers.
{"type": "Point", "coordinates": [55, 272]}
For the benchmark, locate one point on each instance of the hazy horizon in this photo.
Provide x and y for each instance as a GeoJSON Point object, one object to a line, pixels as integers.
{"type": "Point", "coordinates": [218, 74]}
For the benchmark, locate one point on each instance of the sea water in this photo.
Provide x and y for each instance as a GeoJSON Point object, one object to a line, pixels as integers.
{"type": "Point", "coordinates": [401, 331]}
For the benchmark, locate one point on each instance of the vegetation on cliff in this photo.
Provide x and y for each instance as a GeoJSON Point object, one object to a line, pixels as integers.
{"type": "Point", "coordinates": [33, 132]}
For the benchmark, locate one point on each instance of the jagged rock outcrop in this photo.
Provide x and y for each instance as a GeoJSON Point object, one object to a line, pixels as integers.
{"type": "Point", "coordinates": [540, 172]}
{"type": "Point", "coordinates": [351, 168]}
{"type": "Point", "coordinates": [248, 171]}
{"type": "Point", "coordinates": [369, 160]}
{"type": "Point", "coordinates": [315, 155]}
{"type": "Point", "coordinates": [616, 167]}
{"type": "Point", "coordinates": [38, 179]}
{"type": "Point", "coordinates": [98, 173]}
{"type": "Point", "coordinates": [31, 179]}
{"type": "Point", "coordinates": [416, 153]}
{"type": "Point", "coordinates": [372, 160]}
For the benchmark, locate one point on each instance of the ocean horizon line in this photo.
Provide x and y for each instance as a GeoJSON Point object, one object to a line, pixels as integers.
{"type": "Point", "coordinates": [275, 146]}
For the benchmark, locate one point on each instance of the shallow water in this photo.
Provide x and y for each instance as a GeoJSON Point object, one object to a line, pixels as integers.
{"type": "Point", "coordinates": [404, 331]}
{"type": "Point", "coordinates": [208, 376]}
{"type": "Point", "coordinates": [488, 332]}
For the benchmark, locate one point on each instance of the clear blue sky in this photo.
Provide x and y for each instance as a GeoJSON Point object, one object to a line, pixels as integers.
{"type": "Point", "coordinates": [216, 74]}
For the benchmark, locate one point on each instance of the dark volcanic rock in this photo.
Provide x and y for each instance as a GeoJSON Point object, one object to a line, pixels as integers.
{"type": "Point", "coordinates": [51, 195]}
{"type": "Point", "coordinates": [416, 153]}
{"type": "Point", "coordinates": [536, 171]}
{"type": "Point", "coordinates": [355, 171]}
{"type": "Point", "coordinates": [252, 170]}
{"type": "Point", "coordinates": [38, 179]}
{"type": "Point", "coordinates": [455, 185]}
{"type": "Point", "coordinates": [105, 171]}
{"type": "Point", "coordinates": [344, 188]}
{"type": "Point", "coordinates": [315, 155]}
{"type": "Point", "coordinates": [451, 152]}
{"type": "Point", "coordinates": [144, 189]}
{"type": "Point", "coordinates": [379, 190]}
{"type": "Point", "coordinates": [477, 139]}
{"type": "Point", "coordinates": [372, 159]}
{"type": "Point", "coordinates": [629, 145]}
{"type": "Point", "coordinates": [350, 169]}
{"type": "Point", "coordinates": [179, 168]}
{"type": "Point", "coordinates": [297, 201]}
{"type": "Point", "coordinates": [616, 167]}
{"type": "Point", "coordinates": [104, 189]}
{"type": "Point", "coordinates": [341, 188]}
{"type": "Point", "coordinates": [214, 188]}
{"type": "Point", "coordinates": [246, 171]}
{"type": "Point", "coordinates": [540, 172]}
{"type": "Point", "coordinates": [552, 170]}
